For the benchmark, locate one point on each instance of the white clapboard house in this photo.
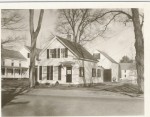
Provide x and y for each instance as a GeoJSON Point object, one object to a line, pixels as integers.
{"type": "Point", "coordinates": [61, 60]}
{"type": "Point", "coordinates": [13, 64]}
{"type": "Point", "coordinates": [128, 72]}
{"type": "Point", "coordinates": [67, 62]}
{"type": "Point", "coordinates": [109, 65]}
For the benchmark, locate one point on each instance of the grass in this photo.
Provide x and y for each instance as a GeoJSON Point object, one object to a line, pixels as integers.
{"type": "Point", "coordinates": [12, 88]}
{"type": "Point", "coordinates": [122, 88]}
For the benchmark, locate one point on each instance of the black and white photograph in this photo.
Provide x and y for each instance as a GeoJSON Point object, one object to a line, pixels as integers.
{"type": "Point", "coordinates": [73, 60]}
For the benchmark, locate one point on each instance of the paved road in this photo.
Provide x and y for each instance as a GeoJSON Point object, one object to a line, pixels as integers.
{"type": "Point", "coordinates": [46, 104]}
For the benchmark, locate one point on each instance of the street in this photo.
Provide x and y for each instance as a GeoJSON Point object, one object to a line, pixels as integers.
{"type": "Point", "coordinates": [47, 102]}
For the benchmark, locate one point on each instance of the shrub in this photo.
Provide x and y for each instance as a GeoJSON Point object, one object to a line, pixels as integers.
{"type": "Point", "coordinates": [47, 83]}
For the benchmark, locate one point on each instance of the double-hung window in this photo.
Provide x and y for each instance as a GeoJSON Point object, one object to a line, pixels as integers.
{"type": "Point", "coordinates": [98, 73]}
{"type": "Point", "coordinates": [93, 72]}
{"type": "Point", "coordinates": [81, 72]}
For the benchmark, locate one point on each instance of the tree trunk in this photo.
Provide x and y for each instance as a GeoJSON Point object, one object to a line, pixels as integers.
{"type": "Point", "coordinates": [34, 35]}
{"type": "Point", "coordinates": [139, 46]}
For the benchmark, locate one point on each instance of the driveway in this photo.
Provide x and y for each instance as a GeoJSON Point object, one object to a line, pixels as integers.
{"type": "Point", "coordinates": [57, 102]}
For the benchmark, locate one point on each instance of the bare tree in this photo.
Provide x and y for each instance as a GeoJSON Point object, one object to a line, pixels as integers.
{"type": "Point", "coordinates": [80, 23]}
{"type": "Point", "coordinates": [132, 15]}
{"type": "Point", "coordinates": [11, 20]}
{"type": "Point", "coordinates": [139, 46]}
{"type": "Point", "coordinates": [34, 35]}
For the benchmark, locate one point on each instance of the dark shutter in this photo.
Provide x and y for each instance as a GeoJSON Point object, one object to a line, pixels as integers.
{"type": "Point", "coordinates": [58, 52]}
{"type": "Point", "coordinates": [47, 53]}
{"type": "Point", "coordinates": [47, 72]}
{"type": "Point", "coordinates": [40, 73]}
{"type": "Point", "coordinates": [59, 72]}
{"type": "Point", "coordinates": [80, 72]}
{"type": "Point", "coordinates": [66, 52]}
{"type": "Point", "coordinates": [83, 71]}
{"type": "Point", "coordinates": [51, 72]}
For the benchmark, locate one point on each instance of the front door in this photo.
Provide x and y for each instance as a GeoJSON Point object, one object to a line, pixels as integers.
{"type": "Point", "coordinates": [68, 74]}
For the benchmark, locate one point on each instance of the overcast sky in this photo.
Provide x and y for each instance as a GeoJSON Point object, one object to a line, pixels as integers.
{"type": "Point", "coordinates": [119, 41]}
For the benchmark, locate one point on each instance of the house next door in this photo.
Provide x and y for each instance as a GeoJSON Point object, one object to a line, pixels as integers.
{"type": "Point", "coordinates": [68, 74]}
{"type": "Point", "coordinates": [107, 75]}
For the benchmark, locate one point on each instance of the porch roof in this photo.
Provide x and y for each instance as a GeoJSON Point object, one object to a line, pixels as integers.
{"type": "Point", "coordinates": [14, 67]}
{"type": "Point", "coordinates": [67, 63]}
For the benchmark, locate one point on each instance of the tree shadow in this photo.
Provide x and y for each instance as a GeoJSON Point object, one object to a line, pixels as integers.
{"type": "Point", "coordinates": [15, 103]}
{"type": "Point", "coordinates": [8, 95]}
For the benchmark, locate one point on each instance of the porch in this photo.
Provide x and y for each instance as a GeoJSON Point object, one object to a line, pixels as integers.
{"type": "Point", "coordinates": [13, 72]}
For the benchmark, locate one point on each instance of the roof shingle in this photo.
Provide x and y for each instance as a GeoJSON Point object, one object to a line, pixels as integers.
{"type": "Point", "coordinates": [108, 57]}
{"type": "Point", "coordinates": [5, 53]}
{"type": "Point", "coordinates": [79, 50]}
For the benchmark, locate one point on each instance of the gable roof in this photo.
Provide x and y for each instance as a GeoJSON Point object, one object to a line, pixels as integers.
{"type": "Point", "coordinates": [127, 66]}
{"type": "Point", "coordinates": [108, 57]}
{"type": "Point", "coordinates": [5, 53]}
{"type": "Point", "coordinates": [77, 49]}
{"type": "Point", "coordinates": [37, 49]}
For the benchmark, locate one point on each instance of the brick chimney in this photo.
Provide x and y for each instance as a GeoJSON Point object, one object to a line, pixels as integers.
{"type": "Point", "coordinates": [69, 37]}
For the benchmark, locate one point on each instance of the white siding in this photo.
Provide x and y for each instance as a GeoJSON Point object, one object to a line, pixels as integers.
{"type": "Point", "coordinates": [75, 67]}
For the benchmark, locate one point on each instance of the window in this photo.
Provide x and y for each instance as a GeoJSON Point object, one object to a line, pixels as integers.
{"type": "Point", "coordinates": [59, 72]}
{"type": "Point", "coordinates": [81, 72]}
{"type": "Point", "coordinates": [52, 53]}
{"type": "Point", "coordinates": [93, 72]}
{"type": "Point", "coordinates": [3, 71]}
{"type": "Point", "coordinates": [58, 53]}
{"type": "Point", "coordinates": [49, 72]}
{"type": "Point", "coordinates": [64, 52]}
{"type": "Point", "coordinates": [20, 64]}
{"type": "Point", "coordinates": [28, 55]}
{"type": "Point", "coordinates": [96, 55]}
{"type": "Point", "coordinates": [98, 73]}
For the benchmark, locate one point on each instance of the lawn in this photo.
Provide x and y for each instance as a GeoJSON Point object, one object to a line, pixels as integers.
{"type": "Point", "coordinates": [12, 88]}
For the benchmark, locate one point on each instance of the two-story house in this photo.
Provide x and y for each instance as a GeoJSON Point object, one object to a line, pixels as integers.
{"type": "Point", "coordinates": [67, 62]}
{"type": "Point", "coordinates": [109, 65]}
{"type": "Point", "coordinates": [128, 72]}
{"type": "Point", "coordinates": [13, 64]}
